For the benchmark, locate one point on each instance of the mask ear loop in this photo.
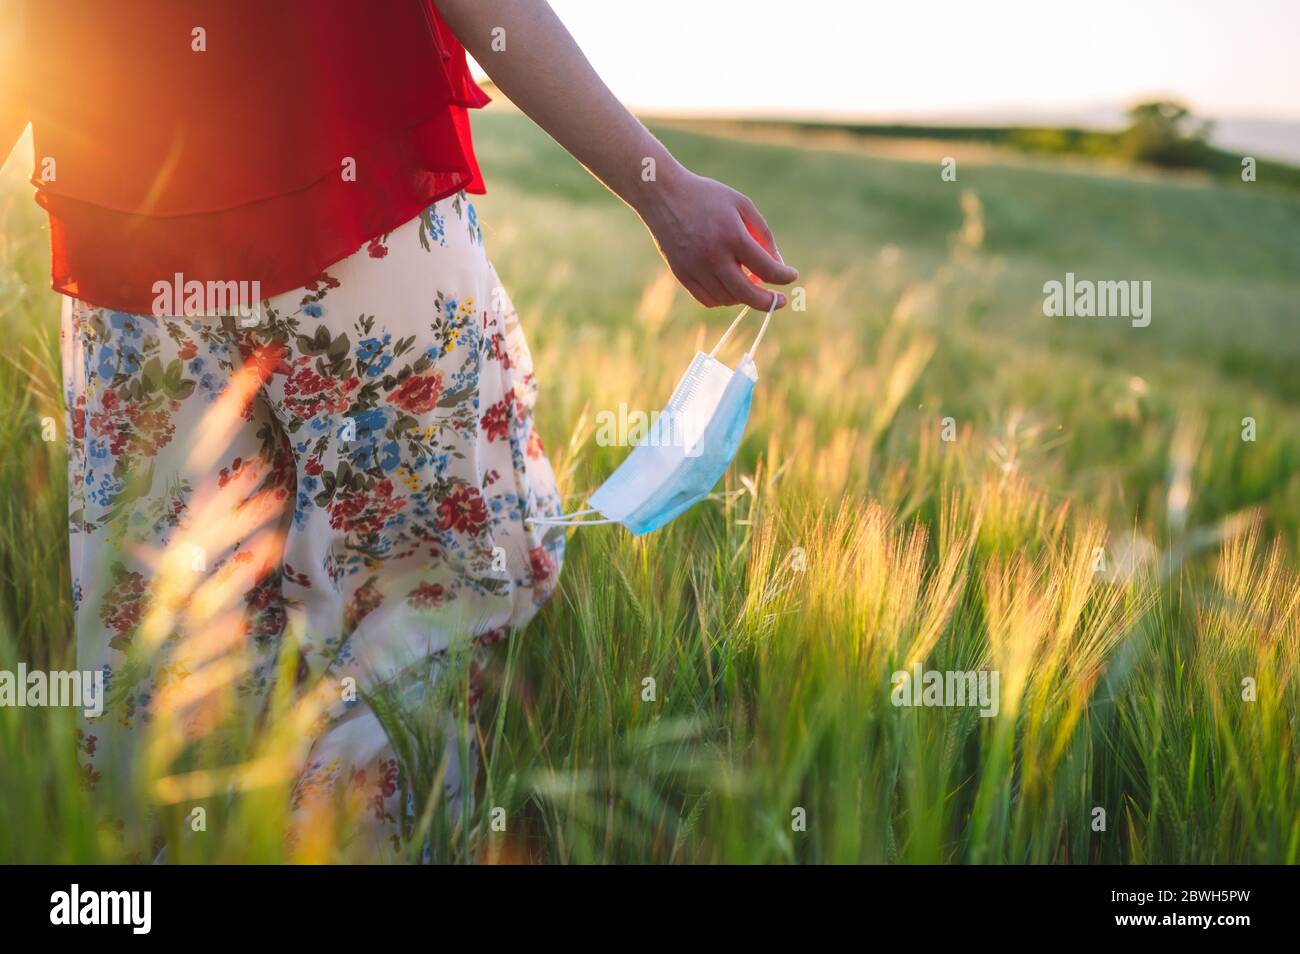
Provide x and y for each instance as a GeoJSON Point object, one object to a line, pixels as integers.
{"type": "Point", "coordinates": [732, 327]}
{"type": "Point", "coordinates": [567, 519]}
{"type": "Point", "coordinates": [753, 349]}
{"type": "Point", "coordinates": [727, 334]}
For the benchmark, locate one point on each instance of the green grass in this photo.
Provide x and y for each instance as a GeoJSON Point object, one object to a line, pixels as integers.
{"type": "Point", "coordinates": [849, 540]}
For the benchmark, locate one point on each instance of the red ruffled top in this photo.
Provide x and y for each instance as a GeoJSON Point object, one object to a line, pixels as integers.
{"type": "Point", "coordinates": [237, 140]}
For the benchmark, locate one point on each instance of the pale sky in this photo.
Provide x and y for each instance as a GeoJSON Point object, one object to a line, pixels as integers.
{"type": "Point", "coordinates": [907, 59]}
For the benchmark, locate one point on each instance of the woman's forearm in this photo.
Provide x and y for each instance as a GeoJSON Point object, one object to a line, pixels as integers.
{"type": "Point", "coordinates": [534, 60]}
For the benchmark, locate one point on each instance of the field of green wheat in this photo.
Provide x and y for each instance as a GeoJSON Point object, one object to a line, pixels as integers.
{"type": "Point", "coordinates": [934, 474]}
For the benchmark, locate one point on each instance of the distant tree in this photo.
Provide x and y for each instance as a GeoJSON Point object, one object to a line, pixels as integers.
{"type": "Point", "coordinates": [1165, 133]}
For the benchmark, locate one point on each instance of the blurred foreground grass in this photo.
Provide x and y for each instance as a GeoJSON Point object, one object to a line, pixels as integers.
{"type": "Point", "coordinates": [1098, 532]}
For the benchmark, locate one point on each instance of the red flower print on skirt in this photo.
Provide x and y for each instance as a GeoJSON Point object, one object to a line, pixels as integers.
{"type": "Point", "coordinates": [124, 604]}
{"type": "Point", "coordinates": [267, 359]}
{"type": "Point", "coordinates": [419, 393]}
{"type": "Point", "coordinates": [364, 601]}
{"type": "Point", "coordinates": [365, 512]}
{"type": "Point", "coordinates": [463, 511]}
{"type": "Point", "coordinates": [426, 595]}
{"type": "Point", "coordinates": [496, 422]}
{"type": "Point", "coordinates": [79, 418]}
{"type": "Point", "coordinates": [541, 564]}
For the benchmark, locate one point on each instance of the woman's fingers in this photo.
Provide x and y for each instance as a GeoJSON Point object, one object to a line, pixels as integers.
{"type": "Point", "coordinates": [698, 279]}
{"type": "Point", "coordinates": [714, 284]}
{"type": "Point", "coordinates": [756, 226]}
{"type": "Point", "coordinates": [698, 293]}
{"type": "Point", "coordinates": [746, 250]}
{"type": "Point", "coordinates": [756, 258]}
{"type": "Point", "coordinates": [744, 292]}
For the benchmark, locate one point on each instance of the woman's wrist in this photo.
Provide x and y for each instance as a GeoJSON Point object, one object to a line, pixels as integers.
{"type": "Point", "coordinates": [657, 187]}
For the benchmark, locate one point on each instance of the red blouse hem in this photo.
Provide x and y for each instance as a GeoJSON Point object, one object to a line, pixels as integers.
{"type": "Point", "coordinates": [312, 228]}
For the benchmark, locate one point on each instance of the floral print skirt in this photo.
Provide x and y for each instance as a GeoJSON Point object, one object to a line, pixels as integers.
{"type": "Point", "coordinates": [351, 468]}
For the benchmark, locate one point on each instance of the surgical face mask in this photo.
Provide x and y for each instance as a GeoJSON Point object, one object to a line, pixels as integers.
{"type": "Point", "coordinates": [687, 449]}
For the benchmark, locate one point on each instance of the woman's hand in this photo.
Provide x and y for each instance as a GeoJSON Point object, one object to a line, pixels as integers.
{"type": "Point", "coordinates": [707, 232]}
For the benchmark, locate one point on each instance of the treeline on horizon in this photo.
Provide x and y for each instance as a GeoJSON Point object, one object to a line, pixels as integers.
{"type": "Point", "coordinates": [1160, 133]}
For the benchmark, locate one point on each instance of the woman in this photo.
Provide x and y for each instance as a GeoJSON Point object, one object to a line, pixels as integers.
{"type": "Point", "coordinates": [299, 402]}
